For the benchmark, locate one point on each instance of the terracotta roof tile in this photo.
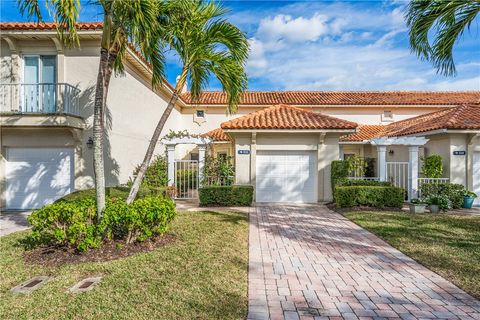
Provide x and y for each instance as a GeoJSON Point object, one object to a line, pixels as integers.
{"type": "Point", "coordinates": [464, 117]}
{"type": "Point", "coordinates": [217, 135]}
{"type": "Point", "coordinates": [46, 25]}
{"type": "Point", "coordinates": [364, 133]}
{"type": "Point", "coordinates": [287, 117]}
{"type": "Point", "coordinates": [341, 98]}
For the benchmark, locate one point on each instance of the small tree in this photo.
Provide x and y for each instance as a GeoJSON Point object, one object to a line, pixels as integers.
{"type": "Point", "coordinates": [432, 166]}
{"type": "Point", "coordinates": [207, 45]}
{"type": "Point", "coordinates": [218, 171]}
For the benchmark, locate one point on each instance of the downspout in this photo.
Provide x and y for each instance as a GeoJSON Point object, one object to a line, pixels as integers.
{"type": "Point", "coordinates": [469, 171]}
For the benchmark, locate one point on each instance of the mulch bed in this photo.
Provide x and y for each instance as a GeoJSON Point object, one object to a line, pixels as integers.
{"type": "Point", "coordinates": [54, 256]}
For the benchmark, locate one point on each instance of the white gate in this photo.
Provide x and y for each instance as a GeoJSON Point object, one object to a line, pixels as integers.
{"type": "Point", "coordinates": [186, 179]}
{"type": "Point", "coordinates": [397, 174]}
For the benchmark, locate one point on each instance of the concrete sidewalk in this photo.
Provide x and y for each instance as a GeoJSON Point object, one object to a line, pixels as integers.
{"type": "Point", "coordinates": [13, 221]}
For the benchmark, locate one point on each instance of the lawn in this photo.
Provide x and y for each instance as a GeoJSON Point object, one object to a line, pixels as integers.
{"type": "Point", "coordinates": [201, 275]}
{"type": "Point", "coordinates": [446, 244]}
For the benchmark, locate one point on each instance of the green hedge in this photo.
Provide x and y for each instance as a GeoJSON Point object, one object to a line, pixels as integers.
{"type": "Point", "coordinates": [235, 195]}
{"type": "Point", "coordinates": [454, 192]}
{"type": "Point", "coordinates": [339, 172]}
{"type": "Point", "coordinates": [73, 222]}
{"type": "Point", "coordinates": [370, 196]}
{"type": "Point", "coordinates": [119, 192]}
{"type": "Point", "coordinates": [349, 183]}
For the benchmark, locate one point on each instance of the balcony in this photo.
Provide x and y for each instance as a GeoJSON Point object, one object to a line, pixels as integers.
{"type": "Point", "coordinates": [37, 104]}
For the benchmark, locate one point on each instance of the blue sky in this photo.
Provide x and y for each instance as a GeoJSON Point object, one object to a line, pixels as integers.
{"type": "Point", "coordinates": [329, 45]}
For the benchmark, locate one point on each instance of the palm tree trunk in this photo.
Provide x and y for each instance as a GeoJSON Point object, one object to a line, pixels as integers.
{"type": "Point", "coordinates": [101, 91]}
{"type": "Point", "coordinates": [151, 147]}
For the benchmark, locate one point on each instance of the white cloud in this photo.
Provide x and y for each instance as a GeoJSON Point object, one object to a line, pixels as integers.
{"type": "Point", "coordinates": [293, 30]}
{"type": "Point", "coordinates": [341, 46]}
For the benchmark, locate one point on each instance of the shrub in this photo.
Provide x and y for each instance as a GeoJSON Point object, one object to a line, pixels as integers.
{"type": "Point", "coordinates": [371, 196]}
{"type": "Point", "coordinates": [156, 175]}
{"type": "Point", "coordinates": [454, 192]}
{"type": "Point", "coordinates": [235, 195]}
{"type": "Point", "coordinates": [349, 182]}
{"type": "Point", "coordinates": [141, 220]}
{"type": "Point", "coordinates": [67, 223]}
{"type": "Point", "coordinates": [218, 171]}
{"type": "Point", "coordinates": [73, 223]}
{"type": "Point", "coordinates": [432, 166]}
{"type": "Point", "coordinates": [339, 172]}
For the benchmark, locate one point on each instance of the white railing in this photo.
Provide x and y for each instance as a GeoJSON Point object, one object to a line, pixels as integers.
{"type": "Point", "coordinates": [39, 98]}
{"type": "Point", "coordinates": [422, 181]}
{"type": "Point", "coordinates": [186, 179]}
{"type": "Point", "coordinates": [397, 174]}
{"type": "Point", "coordinates": [364, 178]}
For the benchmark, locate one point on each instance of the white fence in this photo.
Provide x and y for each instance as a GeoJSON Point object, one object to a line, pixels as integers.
{"type": "Point", "coordinates": [186, 179]}
{"type": "Point", "coordinates": [397, 174]}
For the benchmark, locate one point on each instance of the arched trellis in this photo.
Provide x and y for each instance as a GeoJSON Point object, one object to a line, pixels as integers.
{"type": "Point", "coordinates": [171, 143]}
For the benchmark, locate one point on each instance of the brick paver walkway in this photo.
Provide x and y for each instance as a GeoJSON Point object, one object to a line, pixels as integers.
{"type": "Point", "coordinates": [311, 263]}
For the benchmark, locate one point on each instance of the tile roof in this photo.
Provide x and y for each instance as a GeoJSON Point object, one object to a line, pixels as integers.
{"type": "Point", "coordinates": [217, 135]}
{"type": "Point", "coordinates": [341, 98]}
{"type": "Point", "coordinates": [463, 117]}
{"type": "Point", "coordinates": [287, 117]}
{"type": "Point", "coordinates": [46, 25]}
{"type": "Point", "coordinates": [364, 132]}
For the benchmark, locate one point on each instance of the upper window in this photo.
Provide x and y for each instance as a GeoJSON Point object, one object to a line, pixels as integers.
{"type": "Point", "coordinates": [39, 87]}
{"type": "Point", "coordinates": [200, 113]}
{"type": "Point", "coordinates": [387, 115]}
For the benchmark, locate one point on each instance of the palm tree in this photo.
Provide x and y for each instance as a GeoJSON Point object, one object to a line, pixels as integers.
{"type": "Point", "coordinates": [126, 23]}
{"type": "Point", "coordinates": [446, 20]}
{"type": "Point", "coordinates": [207, 45]}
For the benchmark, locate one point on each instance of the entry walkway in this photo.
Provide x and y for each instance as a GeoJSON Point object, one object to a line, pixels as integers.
{"type": "Point", "coordinates": [307, 262]}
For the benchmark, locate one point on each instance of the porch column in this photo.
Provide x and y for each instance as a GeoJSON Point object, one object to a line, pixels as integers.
{"type": "Point", "coordinates": [382, 162]}
{"type": "Point", "coordinates": [171, 164]}
{"type": "Point", "coordinates": [201, 161]}
{"type": "Point", "coordinates": [412, 172]}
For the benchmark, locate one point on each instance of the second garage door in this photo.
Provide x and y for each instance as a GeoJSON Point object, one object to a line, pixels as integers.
{"type": "Point", "coordinates": [286, 176]}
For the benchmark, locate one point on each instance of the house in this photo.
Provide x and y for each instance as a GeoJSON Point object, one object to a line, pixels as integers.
{"type": "Point", "coordinates": [282, 142]}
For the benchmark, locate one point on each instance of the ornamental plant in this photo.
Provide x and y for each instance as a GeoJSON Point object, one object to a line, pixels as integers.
{"type": "Point", "coordinates": [432, 166]}
{"type": "Point", "coordinates": [441, 201]}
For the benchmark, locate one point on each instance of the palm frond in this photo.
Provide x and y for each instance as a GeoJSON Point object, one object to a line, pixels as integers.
{"type": "Point", "coordinates": [30, 8]}
{"type": "Point", "coordinates": [445, 22]}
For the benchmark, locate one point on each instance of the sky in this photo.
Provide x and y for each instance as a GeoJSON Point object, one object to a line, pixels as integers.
{"type": "Point", "coordinates": [328, 45]}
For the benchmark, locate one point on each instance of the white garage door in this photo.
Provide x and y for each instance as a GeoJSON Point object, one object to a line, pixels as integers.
{"type": "Point", "coordinates": [38, 176]}
{"type": "Point", "coordinates": [286, 176]}
{"type": "Point", "coordinates": [476, 177]}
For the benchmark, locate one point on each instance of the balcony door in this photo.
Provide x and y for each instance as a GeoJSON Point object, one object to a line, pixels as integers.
{"type": "Point", "coordinates": [39, 89]}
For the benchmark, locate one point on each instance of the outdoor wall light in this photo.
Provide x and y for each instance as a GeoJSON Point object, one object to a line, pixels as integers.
{"type": "Point", "coordinates": [90, 143]}
{"type": "Point", "coordinates": [391, 152]}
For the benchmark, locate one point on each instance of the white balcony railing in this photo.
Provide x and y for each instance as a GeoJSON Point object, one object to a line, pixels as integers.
{"type": "Point", "coordinates": [39, 98]}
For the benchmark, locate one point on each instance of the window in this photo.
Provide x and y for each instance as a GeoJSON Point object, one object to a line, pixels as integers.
{"type": "Point", "coordinates": [39, 89]}
{"type": "Point", "coordinates": [200, 114]}
{"type": "Point", "coordinates": [194, 156]}
{"type": "Point", "coordinates": [222, 155]}
{"type": "Point", "coordinates": [387, 115]}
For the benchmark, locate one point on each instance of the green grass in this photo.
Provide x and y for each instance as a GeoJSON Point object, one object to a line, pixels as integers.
{"type": "Point", "coordinates": [446, 244]}
{"type": "Point", "coordinates": [202, 275]}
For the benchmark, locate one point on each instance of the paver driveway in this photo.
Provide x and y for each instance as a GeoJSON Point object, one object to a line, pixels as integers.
{"type": "Point", "coordinates": [308, 262]}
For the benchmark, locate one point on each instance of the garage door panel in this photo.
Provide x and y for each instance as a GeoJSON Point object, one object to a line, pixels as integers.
{"type": "Point", "coordinates": [286, 176]}
{"type": "Point", "coordinates": [38, 176]}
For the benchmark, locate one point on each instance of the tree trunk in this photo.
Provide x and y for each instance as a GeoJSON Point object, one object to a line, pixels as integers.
{"type": "Point", "coordinates": [151, 147]}
{"type": "Point", "coordinates": [101, 91]}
